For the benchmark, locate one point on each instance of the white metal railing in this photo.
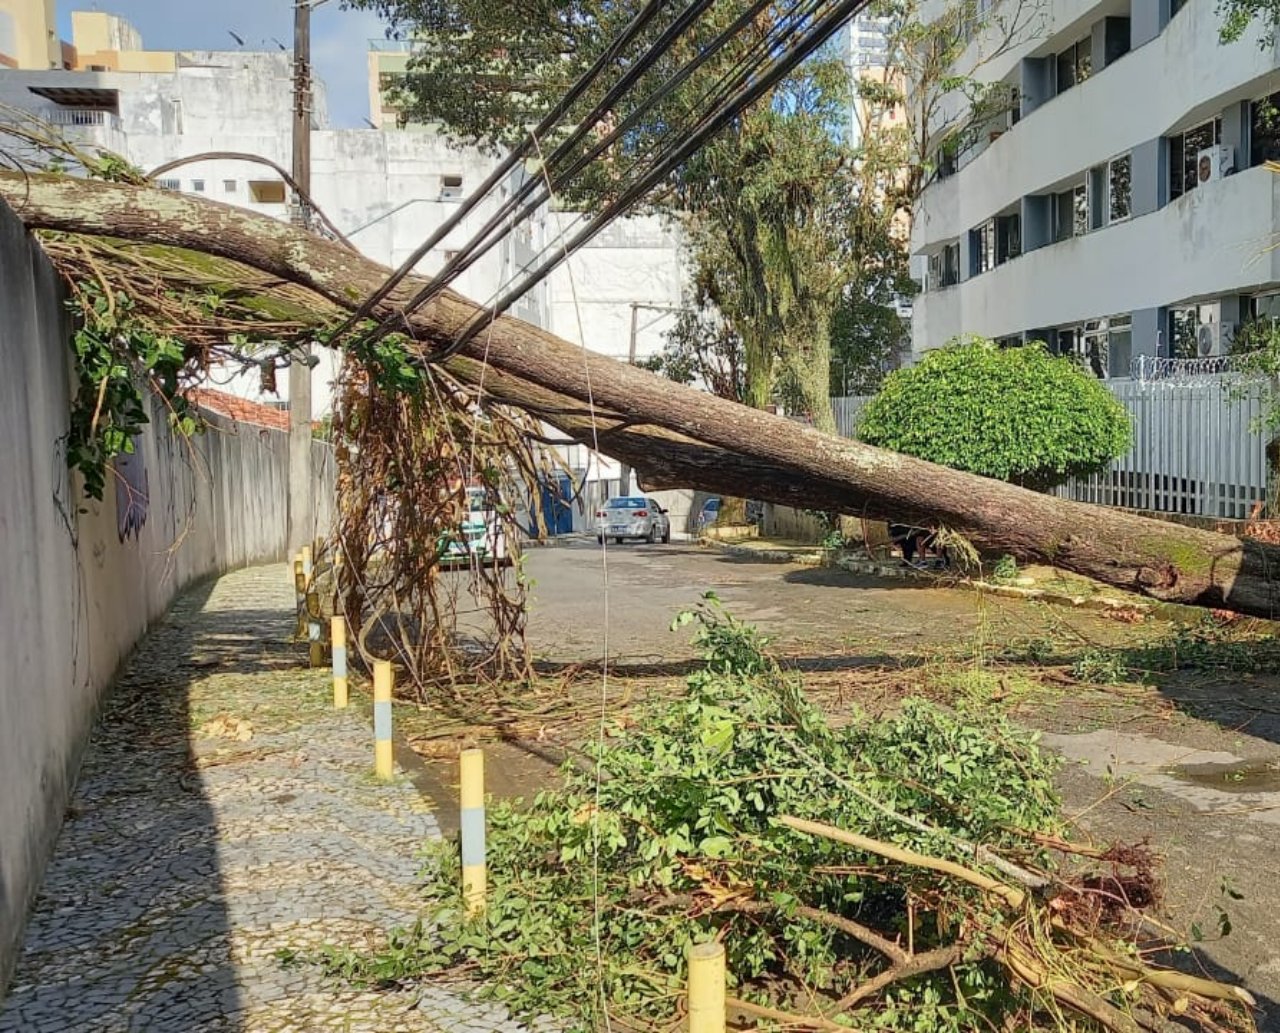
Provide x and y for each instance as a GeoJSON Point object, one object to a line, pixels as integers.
{"type": "Point", "coordinates": [80, 117]}
{"type": "Point", "coordinates": [1198, 447]}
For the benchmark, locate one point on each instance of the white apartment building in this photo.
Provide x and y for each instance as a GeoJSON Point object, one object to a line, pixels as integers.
{"type": "Point", "coordinates": [385, 189]}
{"type": "Point", "coordinates": [1121, 208]}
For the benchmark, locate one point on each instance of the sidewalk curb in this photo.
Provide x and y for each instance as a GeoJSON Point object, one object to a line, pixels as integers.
{"type": "Point", "coordinates": [820, 557]}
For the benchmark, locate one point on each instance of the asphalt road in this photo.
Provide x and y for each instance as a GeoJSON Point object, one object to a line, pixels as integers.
{"type": "Point", "coordinates": [630, 593]}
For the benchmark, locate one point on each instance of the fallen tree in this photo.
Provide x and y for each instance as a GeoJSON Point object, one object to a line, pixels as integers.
{"type": "Point", "coordinates": [676, 436]}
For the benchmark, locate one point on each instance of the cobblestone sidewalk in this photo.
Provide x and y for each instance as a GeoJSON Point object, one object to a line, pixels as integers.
{"type": "Point", "coordinates": [226, 812]}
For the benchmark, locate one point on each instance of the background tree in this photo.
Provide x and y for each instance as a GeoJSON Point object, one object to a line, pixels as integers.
{"type": "Point", "coordinates": [702, 350]}
{"type": "Point", "coordinates": [1015, 414]}
{"type": "Point", "coordinates": [767, 206]}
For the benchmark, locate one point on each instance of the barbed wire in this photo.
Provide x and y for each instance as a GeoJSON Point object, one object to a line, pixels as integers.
{"type": "Point", "coordinates": [1154, 369]}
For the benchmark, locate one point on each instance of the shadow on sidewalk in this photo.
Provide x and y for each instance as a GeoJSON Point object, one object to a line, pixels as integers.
{"type": "Point", "coordinates": [130, 929]}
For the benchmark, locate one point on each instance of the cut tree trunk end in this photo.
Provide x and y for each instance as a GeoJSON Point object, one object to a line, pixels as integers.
{"type": "Point", "coordinates": [678, 437]}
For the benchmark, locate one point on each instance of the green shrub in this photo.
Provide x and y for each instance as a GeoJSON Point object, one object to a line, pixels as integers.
{"type": "Point", "coordinates": [1015, 414]}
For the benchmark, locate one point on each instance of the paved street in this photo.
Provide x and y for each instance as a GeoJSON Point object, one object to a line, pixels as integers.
{"type": "Point", "coordinates": [1191, 765]}
{"type": "Point", "coordinates": [820, 614]}
{"type": "Point", "coordinates": [225, 812]}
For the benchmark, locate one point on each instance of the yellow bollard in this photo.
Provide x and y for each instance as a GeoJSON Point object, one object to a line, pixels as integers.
{"type": "Point", "coordinates": [382, 759]}
{"type": "Point", "coordinates": [300, 590]}
{"type": "Point", "coordinates": [306, 561]}
{"type": "Point", "coordinates": [338, 640]}
{"type": "Point", "coordinates": [316, 652]}
{"type": "Point", "coordinates": [706, 988]}
{"type": "Point", "coordinates": [471, 799]}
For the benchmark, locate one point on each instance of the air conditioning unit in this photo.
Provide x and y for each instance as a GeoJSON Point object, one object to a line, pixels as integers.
{"type": "Point", "coordinates": [1209, 340]}
{"type": "Point", "coordinates": [1214, 163]}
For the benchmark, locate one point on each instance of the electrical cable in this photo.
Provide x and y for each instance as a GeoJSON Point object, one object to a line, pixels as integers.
{"type": "Point", "coordinates": [676, 156]}
{"type": "Point", "coordinates": [478, 246]}
{"type": "Point", "coordinates": [548, 121]}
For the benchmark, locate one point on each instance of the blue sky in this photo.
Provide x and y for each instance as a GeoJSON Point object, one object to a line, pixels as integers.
{"type": "Point", "coordinates": [338, 38]}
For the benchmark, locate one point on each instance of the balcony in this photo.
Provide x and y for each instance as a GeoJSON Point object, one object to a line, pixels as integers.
{"type": "Point", "coordinates": [1210, 242]}
{"type": "Point", "coordinates": [62, 116]}
{"type": "Point", "coordinates": [1106, 115]}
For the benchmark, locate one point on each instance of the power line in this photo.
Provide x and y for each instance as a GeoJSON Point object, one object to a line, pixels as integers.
{"type": "Point", "coordinates": [747, 64]}
{"type": "Point", "coordinates": [484, 241]}
{"type": "Point", "coordinates": [730, 109]}
{"type": "Point", "coordinates": [737, 94]}
{"type": "Point", "coordinates": [579, 87]}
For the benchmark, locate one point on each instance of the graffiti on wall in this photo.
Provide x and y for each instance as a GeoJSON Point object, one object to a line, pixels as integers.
{"type": "Point", "coordinates": [132, 493]}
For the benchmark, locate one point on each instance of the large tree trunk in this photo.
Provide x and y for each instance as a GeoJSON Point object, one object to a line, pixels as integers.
{"type": "Point", "coordinates": [676, 436]}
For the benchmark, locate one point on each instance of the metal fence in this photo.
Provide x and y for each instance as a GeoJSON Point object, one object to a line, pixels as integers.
{"type": "Point", "coordinates": [847, 411]}
{"type": "Point", "coordinates": [1194, 448]}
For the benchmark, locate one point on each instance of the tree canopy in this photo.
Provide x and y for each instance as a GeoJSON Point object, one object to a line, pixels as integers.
{"type": "Point", "coordinates": [1016, 414]}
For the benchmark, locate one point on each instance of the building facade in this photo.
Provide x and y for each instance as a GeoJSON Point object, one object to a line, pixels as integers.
{"type": "Point", "coordinates": [1122, 208]}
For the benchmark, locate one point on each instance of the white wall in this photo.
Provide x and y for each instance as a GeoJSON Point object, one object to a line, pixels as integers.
{"type": "Point", "coordinates": [1208, 242]}
{"type": "Point", "coordinates": [76, 593]}
{"type": "Point", "coordinates": [638, 259]}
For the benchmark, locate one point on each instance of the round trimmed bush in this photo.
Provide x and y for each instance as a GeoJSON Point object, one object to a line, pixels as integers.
{"type": "Point", "coordinates": [1016, 414]}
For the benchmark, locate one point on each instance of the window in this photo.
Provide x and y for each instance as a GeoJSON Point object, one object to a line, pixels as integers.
{"type": "Point", "coordinates": [1101, 346]}
{"type": "Point", "coordinates": [1008, 237]}
{"type": "Point", "coordinates": [197, 186]}
{"type": "Point", "coordinates": [266, 191]}
{"type": "Point", "coordinates": [450, 187]}
{"type": "Point", "coordinates": [1071, 213]}
{"type": "Point", "coordinates": [1092, 348]}
{"type": "Point", "coordinates": [1119, 187]}
{"type": "Point", "coordinates": [1264, 306]}
{"type": "Point", "coordinates": [228, 186]}
{"type": "Point", "coordinates": [1097, 182]}
{"type": "Point", "coordinates": [1074, 65]}
{"type": "Point", "coordinates": [1264, 130]}
{"type": "Point", "coordinates": [168, 184]}
{"type": "Point", "coordinates": [1184, 328]}
{"type": "Point", "coordinates": [982, 248]}
{"type": "Point", "coordinates": [944, 267]}
{"type": "Point", "coordinates": [1183, 151]}
{"type": "Point", "coordinates": [1120, 345]}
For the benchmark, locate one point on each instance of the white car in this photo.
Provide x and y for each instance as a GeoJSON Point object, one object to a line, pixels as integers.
{"type": "Point", "coordinates": [632, 516]}
{"type": "Point", "coordinates": [481, 538]}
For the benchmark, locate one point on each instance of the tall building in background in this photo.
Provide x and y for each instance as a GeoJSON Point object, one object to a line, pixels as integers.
{"type": "Point", "coordinates": [1122, 207]}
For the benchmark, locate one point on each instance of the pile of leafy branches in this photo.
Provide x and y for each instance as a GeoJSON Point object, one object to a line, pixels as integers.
{"type": "Point", "coordinates": [839, 867]}
{"type": "Point", "coordinates": [410, 441]}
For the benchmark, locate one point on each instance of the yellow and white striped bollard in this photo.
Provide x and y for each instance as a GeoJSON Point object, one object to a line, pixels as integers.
{"type": "Point", "coordinates": [338, 642]}
{"type": "Point", "coordinates": [706, 988]}
{"type": "Point", "coordinates": [382, 758]}
{"type": "Point", "coordinates": [316, 651]}
{"type": "Point", "coordinates": [471, 798]}
{"type": "Point", "coordinates": [300, 590]}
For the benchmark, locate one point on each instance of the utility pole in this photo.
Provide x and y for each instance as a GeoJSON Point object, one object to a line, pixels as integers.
{"type": "Point", "coordinates": [301, 481]}
{"type": "Point", "coordinates": [624, 471]}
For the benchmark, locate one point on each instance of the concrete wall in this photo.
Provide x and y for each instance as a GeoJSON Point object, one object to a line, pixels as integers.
{"type": "Point", "coordinates": [77, 590]}
{"type": "Point", "coordinates": [635, 260]}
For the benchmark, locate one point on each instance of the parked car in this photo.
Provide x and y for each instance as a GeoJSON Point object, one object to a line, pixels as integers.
{"type": "Point", "coordinates": [481, 536]}
{"type": "Point", "coordinates": [632, 516]}
{"type": "Point", "coordinates": [708, 514]}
